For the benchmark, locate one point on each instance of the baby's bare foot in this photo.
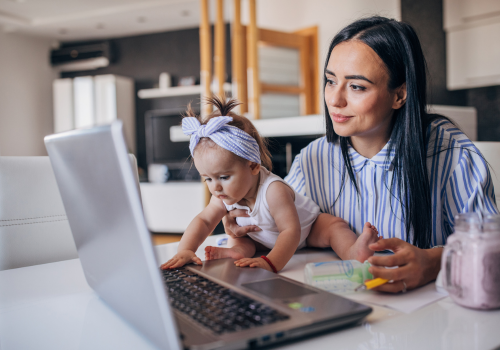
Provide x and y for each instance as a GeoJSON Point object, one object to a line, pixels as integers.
{"type": "Point", "coordinates": [359, 249]}
{"type": "Point", "coordinates": [212, 253]}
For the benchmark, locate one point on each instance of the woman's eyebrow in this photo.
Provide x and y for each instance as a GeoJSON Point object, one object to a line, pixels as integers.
{"type": "Point", "coordinates": [360, 77]}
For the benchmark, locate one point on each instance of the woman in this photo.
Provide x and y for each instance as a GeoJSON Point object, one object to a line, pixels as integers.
{"type": "Point", "coordinates": [384, 158]}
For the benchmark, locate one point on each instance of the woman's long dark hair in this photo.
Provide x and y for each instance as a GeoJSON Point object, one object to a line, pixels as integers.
{"type": "Point", "coordinates": [397, 44]}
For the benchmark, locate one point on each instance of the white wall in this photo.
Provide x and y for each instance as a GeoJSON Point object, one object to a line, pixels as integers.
{"type": "Point", "coordinates": [25, 94]}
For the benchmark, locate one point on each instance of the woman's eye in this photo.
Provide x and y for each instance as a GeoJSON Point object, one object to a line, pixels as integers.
{"type": "Point", "coordinates": [358, 88]}
{"type": "Point", "coordinates": [330, 82]}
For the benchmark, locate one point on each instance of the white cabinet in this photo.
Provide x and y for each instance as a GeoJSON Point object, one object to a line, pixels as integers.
{"type": "Point", "coordinates": [472, 46]}
{"type": "Point", "coordinates": [170, 206]}
{"type": "Point", "coordinates": [95, 100]}
{"type": "Point", "coordinates": [460, 13]}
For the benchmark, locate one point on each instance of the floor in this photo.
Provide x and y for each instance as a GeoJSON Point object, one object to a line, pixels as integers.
{"type": "Point", "coordinates": [165, 238]}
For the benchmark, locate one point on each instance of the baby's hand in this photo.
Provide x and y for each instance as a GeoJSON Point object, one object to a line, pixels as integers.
{"type": "Point", "coordinates": [180, 259]}
{"type": "Point", "coordinates": [253, 262]}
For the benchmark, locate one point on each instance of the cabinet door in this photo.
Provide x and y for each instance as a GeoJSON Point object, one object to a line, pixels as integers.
{"type": "Point", "coordinates": [472, 57]}
{"type": "Point", "coordinates": [105, 99]}
{"type": "Point", "coordinates": [460, 13]}
{"type": "Point", "coordinates": [63, 105]}
{"type": "Point", "coordinates": [83, 99]}
{"type": "Point", "coordinates": [171, 206]}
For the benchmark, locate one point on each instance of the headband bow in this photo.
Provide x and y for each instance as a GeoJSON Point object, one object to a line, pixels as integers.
{"type": "Point", "coordinates": [226, 136]}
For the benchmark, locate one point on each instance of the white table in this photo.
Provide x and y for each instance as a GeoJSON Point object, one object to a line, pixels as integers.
{"type": "Point", "coordinates": [51, 306]}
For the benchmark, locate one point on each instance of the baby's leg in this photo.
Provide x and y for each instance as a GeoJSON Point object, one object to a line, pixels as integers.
{"type": "Point", "coordinates": [334, 232]}
{"type": "Point", "coordinates": [238, 248]}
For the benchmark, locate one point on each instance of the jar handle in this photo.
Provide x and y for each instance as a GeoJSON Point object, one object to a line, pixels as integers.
{"type": "Point", "coordinates": [448, 270]}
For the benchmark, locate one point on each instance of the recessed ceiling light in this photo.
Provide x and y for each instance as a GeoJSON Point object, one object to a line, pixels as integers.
{"type": "Point", "coordinates": [141, 19]}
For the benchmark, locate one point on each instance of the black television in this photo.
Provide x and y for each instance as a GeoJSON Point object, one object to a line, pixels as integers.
{"type": "Point", "coordinates": [161, 150]}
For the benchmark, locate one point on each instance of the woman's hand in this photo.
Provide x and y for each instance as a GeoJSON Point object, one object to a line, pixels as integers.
{"type": "Point", "coordinates": [180, 259]}
{"type": "Point", "coordinates": [417, 267]}
{"type": "Point", "coordinates": [232, 228]}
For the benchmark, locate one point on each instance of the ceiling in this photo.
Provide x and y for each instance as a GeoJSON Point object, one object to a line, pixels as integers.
{"type": "Point", "coordinates": [68, 20]}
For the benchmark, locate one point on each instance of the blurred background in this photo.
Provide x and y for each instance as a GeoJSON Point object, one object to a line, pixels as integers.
{"type": "Point", "coordinates": [70, 64]}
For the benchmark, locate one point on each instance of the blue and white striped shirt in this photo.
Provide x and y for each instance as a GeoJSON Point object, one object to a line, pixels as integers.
{"type": "Point", "coordinates": [454, 176]}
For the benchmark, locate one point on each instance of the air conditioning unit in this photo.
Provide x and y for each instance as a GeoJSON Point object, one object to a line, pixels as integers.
{"type": "Point", "coordinates": [71, 58]}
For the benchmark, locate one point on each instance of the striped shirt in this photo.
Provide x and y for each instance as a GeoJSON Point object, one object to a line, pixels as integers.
{"type": "Point", "coordinates": [456, 176]}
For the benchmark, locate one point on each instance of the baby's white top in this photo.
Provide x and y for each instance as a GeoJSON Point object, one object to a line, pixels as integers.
{"type": "Point", "coordinates": [261, 216]}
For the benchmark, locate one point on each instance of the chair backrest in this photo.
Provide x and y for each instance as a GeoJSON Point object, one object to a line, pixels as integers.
{"type": "Point", "coordinates": [491, 152]}
{"type": "Point", "coordinates": [33, 224]}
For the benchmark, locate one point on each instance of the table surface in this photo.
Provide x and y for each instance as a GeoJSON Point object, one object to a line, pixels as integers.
{"type": "Point", "coordinates": [50, 306]}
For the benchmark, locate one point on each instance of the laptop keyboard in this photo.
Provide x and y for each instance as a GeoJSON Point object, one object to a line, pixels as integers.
{"type": "Point", "coordinates": [218, 308]}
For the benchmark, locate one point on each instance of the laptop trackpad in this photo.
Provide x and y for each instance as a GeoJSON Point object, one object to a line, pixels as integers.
{"type": "Point", "coordinates": [277, 288]}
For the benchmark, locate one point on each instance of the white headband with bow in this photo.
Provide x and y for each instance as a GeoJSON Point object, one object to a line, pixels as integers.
{"type": "Point", "coordinates": [227, 136]}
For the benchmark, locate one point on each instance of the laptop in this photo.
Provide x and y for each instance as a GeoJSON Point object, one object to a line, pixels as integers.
{"type": "Point", "coordinates": [213, 306]}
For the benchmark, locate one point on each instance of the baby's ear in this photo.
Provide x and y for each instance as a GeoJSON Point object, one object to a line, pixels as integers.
{"type": "Point", "coordinates": [255, 168]}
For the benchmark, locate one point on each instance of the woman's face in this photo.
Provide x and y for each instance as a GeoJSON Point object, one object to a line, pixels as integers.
{"type": "Point", "coordinates": [357, 95]}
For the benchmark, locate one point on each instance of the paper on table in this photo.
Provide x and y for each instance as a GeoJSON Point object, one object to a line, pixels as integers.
{"type": "Point", "coordinates": [405, 302]}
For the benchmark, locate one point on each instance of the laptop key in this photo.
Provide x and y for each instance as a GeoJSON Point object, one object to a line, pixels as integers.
{"type": "Point", "coordinates": [216, 307]}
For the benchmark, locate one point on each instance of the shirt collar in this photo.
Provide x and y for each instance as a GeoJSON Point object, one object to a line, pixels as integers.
{"type": "Point", "coordinates": [380, 159]}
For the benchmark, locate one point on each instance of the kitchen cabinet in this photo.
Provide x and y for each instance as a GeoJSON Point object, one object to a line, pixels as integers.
{"type": "Point", "coordinates": [95, 100]}
{"type": "Point", "coordinates": [472, 46]}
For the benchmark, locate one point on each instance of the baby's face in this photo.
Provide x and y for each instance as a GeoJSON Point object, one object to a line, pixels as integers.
{"type": "Point", "coordinates": [227, 177]}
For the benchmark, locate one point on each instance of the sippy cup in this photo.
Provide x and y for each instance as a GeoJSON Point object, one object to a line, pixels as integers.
{"type": "Point", "coordinates": [471, 261]}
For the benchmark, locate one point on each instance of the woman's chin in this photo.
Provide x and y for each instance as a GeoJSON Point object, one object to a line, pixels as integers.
{"type": "Point", "coordinates": [342, 131]}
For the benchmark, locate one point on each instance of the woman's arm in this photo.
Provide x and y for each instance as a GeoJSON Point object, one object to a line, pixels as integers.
{"type": "Point", "coordinates": [197, 231]}
{"type": "Point", "coordinates": [232, 228]}
{"type": "Point", "coordinates": [468, 187]}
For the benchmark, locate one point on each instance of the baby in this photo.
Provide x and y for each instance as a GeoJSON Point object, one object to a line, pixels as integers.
{"type": "Point", "coordinates": [235, 163]}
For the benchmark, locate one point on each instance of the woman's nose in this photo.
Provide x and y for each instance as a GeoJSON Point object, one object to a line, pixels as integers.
{"type": "Point", "coordinates": [336, 98]}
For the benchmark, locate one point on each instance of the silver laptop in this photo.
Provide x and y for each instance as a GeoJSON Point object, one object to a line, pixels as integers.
{"type": "Point", "coordinates": [214, 306]}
